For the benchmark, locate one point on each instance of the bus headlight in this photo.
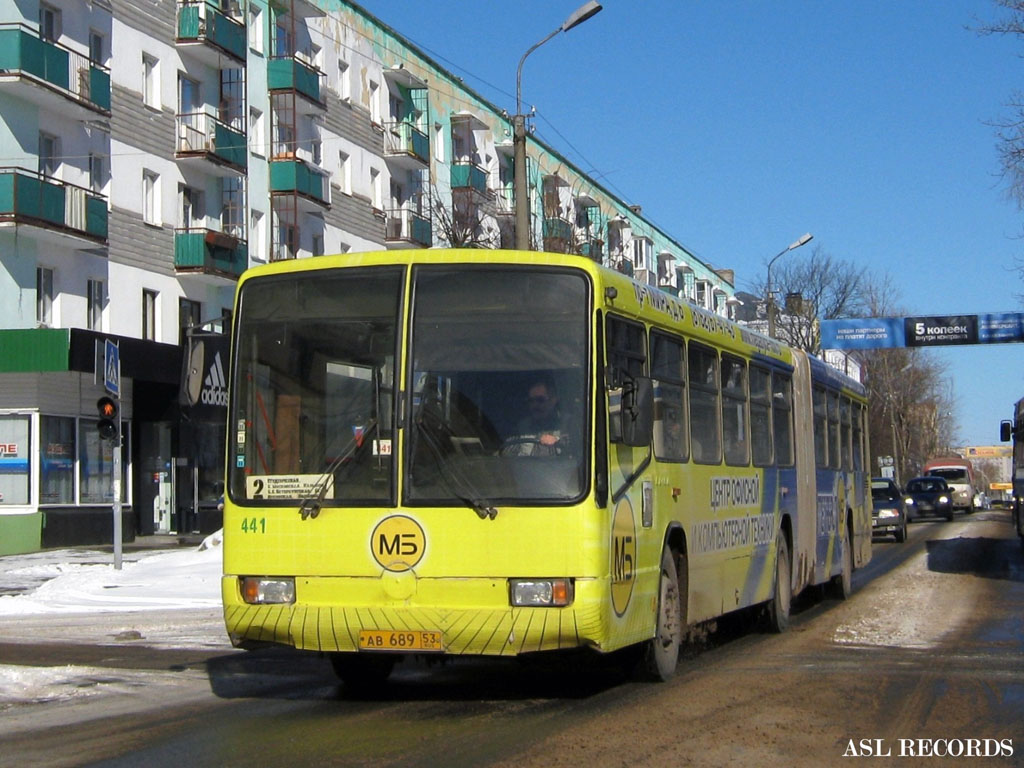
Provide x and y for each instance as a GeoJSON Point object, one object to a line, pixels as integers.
{"type": "Point", "coordinates": [260, 590]}
{"type": "Point", "coordinates": [540, 592]}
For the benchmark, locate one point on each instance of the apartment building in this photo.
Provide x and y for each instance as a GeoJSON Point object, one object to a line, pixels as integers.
{"type": "Point", "coordinates": [153, 150]}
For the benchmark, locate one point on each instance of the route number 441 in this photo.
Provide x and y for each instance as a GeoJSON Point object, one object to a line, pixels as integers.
{"type": "Point", "coordinates": [254, 525]}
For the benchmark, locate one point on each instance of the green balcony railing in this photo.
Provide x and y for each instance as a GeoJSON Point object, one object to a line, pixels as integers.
{"type": "Point", "coordinates": [31, 198]}
{"type": "Point", "coordinates": [202, 134]}
{"type": "Point", "coordinates": [557, 229]}
{"type": "Point", "coordinates": [405, 139]}
{"type": "Point", "coordinates": [288, 73]}
{"type": "Point", "coordinates": [201, 21]}
{"type": "Point", "coordinates": [209, 252]}
{"type": "Point", "coordinates": [296, 177]}
{"type": "Point", "coordinates": [405, 225]}
{"type": "Point", "coordinates": [466, 174]}
{"type": "Point", "coordinates": [23, 51]}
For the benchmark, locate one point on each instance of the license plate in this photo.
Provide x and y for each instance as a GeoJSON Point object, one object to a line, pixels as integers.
{"type": "Point", "coordinates": [395, 640]}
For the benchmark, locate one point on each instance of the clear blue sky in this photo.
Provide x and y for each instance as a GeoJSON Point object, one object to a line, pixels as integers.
{"type": "Point", "coordinates": [739, 125]}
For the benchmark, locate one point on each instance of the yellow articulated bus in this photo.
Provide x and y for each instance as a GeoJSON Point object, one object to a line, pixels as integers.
{"type": "Point", "coordinates": [497, 453]}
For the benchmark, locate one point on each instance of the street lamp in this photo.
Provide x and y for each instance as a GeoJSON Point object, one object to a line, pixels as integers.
{"type": "Point", "coordinates": [804, 240]}
{"type": "Point", "coordinates": [576, 18]}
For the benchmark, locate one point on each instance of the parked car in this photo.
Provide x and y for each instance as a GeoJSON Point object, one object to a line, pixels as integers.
{"type": "Point", "coordinates": [888, 512]}
{"type": "Point", "coordinates": [928, 496]}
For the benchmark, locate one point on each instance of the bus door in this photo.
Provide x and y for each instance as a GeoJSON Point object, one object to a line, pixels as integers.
{"type": "Point", "coordinates": [630, 475]}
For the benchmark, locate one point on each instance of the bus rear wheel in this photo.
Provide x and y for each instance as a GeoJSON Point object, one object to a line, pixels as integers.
{"type": "Point", "coordinates": [842, 583]}
{"type": "Point", "coordinates": [778, 608]}
{"type": "Point", "coordinates": [362, 671]}
{"type": "Point", "coordinates": [661, 652]}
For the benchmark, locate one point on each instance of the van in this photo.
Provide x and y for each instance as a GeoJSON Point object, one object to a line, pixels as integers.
{"type": "Point", "coordinates": [959, 476]}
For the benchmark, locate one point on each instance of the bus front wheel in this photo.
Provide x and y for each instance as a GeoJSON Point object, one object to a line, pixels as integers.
{"type": "Point", "coordinates": [661, 653]}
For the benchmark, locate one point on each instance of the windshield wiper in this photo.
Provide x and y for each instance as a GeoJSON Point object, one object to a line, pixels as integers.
{"type": "Point", "coordinates": [311, 506]}
{"type": "Point", "coordinates": [453, 477]}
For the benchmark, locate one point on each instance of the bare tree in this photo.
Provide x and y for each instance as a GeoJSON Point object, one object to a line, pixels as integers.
{"type": "Point", "coordinates": [815, 287]}
{"type": "Point", "coordinates": [462, 222]}
{"type": "Point", "coordinates": [1010, 129]}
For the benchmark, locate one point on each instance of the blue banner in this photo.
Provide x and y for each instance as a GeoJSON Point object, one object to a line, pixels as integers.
{"type": "Point", "coordinates": [862, 333]}
{"type": "Point", "coordinates": [941, 330]}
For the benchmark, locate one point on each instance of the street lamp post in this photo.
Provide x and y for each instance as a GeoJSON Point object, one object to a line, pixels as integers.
{"type": "Point", "coordinates": [769, 297]}
{"type": "Point", "coordinates": [522, 204]}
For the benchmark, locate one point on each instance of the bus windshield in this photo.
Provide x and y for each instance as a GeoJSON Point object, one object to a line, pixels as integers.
{"type": "Point", "coordinates": [314, 385]}
{"type": "Point", "coordinates": [498, 366]}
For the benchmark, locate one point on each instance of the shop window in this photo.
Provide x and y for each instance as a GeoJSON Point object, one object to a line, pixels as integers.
{"type": "Point", "coordinates": [15, 451]}
{"type": "Point", "coordinates": [57, 460]}
{"type": "Point", "coordinates": [96, 461]}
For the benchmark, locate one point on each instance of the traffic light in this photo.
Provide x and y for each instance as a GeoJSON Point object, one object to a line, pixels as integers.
{"type": "Point", "coordinates": [107, 425]}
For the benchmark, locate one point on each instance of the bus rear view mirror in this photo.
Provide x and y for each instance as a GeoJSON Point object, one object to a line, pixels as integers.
{"type": "Point", "coordinates": [637, 412]}
{"type": "Point", "coordinates": [1005, 431]}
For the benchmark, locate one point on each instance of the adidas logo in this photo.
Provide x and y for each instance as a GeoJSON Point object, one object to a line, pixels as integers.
{"type": "Point", "coordinates": [215, 386]}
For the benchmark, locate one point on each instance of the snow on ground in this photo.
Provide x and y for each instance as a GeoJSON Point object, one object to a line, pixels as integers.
{"type": "Point", "coordinates": [82, 581]}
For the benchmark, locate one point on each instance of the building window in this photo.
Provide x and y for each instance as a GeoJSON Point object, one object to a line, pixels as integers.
{"type": "Point", "coordinates": [15, 451]}
{"type": "Point", "coordinates": [150, 81]}
{"type": "Point", "coordinates": [232, 213]}
{"type": "Point", "coordinates": [344, 87]}
{"type": "Point", "coordinates": [375, 193]}
{"type": "Point", "coordinates": [57, 460]}
{"type": "Point", "coordinates": [95, 301]}
{"type": "Point", "coordinates": [150, 197]}
{"type": "Point", "coordinates": [190, 315]}
{"type": "Point", "coordinates": [97, 47]}
{"type": "Point", "coordinates": [149, 299]}
{"type": "Point", "coordinates": [318, 245]}
{"type": "Point", "coordinates": [256, 28]}
{"type": "Point", "coordinates": [257, 245]}
{"type": "Point", "coordinates": [96, 460]}
{"type": "Point", "coordinates": [375, 103]}
{"type": "Point", "coordinates": [439, 142]}
{"type": "Point", "coordinates": [49, 154]}
{"type": "Point", "coordinates": [49, 23]}
{"type": "Point", "coordinates": [193, 214]}
{"type": "Point", "coordinates": [97, 173]}
{"type": "Point", "coordinates": [257, 139]}
{"type": "Point", "coordinates": [345, 172]}
{"type": "Point", "coordinates": [44, 296]}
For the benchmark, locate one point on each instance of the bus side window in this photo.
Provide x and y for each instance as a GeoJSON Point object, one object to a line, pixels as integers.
{"type": "Point", "coordinates": [820, 428]}
{"type": "Point", "coordinates": [782, 419]}
{"type": "Point", "coordinates": [760, 416]}
{"type": "Point", "coordinates": [845, 432]}
{"type": "Point", "coordinates": [734, 411]}
{"type": "Point", "coordinates": [626, 345]}
{"type": "Point", "coordinates": [703, 382]}
{"type": "Point", "coordinates": [858, 438]}
{"type": "Point", "coordinates": [833, 430]}
{"type": "Point", "coordinates": [669, 375]}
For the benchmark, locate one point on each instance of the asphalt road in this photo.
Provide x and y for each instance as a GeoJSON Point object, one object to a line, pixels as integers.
{"type": "Point", "coordinates": [924, 659]}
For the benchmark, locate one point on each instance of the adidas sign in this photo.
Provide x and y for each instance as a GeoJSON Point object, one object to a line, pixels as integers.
{"type": "Point", "coordinates": [215, 386]}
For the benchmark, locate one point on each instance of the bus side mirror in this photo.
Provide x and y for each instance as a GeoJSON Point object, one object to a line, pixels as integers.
{"type": "Point", "coordinates": [1005, 431]}
{"type": "Point", "coordinates": [638, 412]}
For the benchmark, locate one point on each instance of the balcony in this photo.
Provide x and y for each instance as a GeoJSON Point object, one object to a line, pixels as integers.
{"type": "Point", "coordinates": [559, 229]}
{"type": "Point", "coordinates": [467, 175]}
{"type": "Point", "coordinates": [406, 145]}
{"type": "Point", "coordinates": [405, 227]}
{"type": "Point", "coordinates": [290, 74]}
{"type": "Point", "coordinates": [205, 29]}
{"type": "Point", "coordinates": [204, 137]}
{"type": "Point", "coordinates": [208, 252]}
{"type": "Point", "coordinates": [52, 75]}
{"type": "Point", "coordinates": [593, 250]}
{"type": "Point", "coordinates": [53, 206]}
{"type": "Point", "coordinates": [291, 176]}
